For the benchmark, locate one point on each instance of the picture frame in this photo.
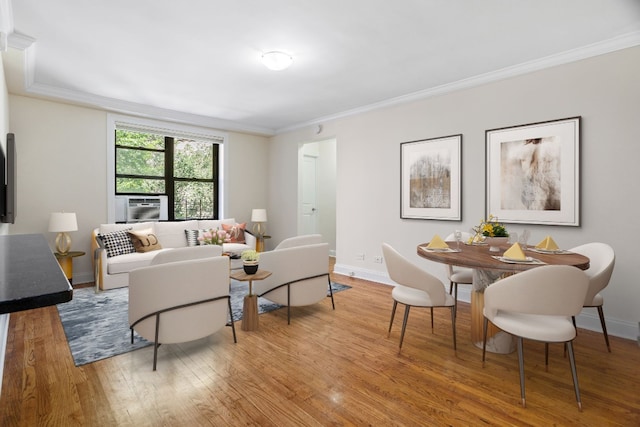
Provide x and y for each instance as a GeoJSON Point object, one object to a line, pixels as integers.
{"type": "Point", "coordinates": [533, 173]}
{"type": "Point", "coordinates": [430, 178]}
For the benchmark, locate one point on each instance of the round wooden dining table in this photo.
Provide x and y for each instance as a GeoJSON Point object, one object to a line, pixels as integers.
{"type": "Point", "coordinates": [487, 268]}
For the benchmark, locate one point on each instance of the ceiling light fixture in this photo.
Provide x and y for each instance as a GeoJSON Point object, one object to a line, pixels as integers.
{"type": "Point", "coordinates": [276, 60]}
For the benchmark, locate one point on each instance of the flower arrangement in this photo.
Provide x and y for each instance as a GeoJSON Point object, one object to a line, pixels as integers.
{"type": "Point", "coordinates": [490, 228]}
{"type": "Point", "coordinates": [250, 256]}
{"type": "Point", "coordinates": [214, 237]}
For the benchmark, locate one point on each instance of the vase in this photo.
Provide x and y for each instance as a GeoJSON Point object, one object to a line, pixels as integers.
{"type": "Point", "coordinates": [495, 242]}
{"type": "Point", "coordinates": [250, 267]}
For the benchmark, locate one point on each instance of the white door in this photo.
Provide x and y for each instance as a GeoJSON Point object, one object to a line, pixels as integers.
{"type": "Point", "coordinates": [309, 199]}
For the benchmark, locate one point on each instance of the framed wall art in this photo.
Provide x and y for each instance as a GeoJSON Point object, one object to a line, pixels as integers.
{"type": "Point", "coordinates": [533, 173]}
{"type": "Point", "coordinates": [430, 171]}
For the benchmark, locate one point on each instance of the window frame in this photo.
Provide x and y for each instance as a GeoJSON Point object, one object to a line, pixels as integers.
{"type": "Point", "coordinates": [165, 129]}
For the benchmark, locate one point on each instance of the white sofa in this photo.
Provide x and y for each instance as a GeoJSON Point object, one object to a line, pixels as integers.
{"type": "Point", "coordinates": [113, 271]}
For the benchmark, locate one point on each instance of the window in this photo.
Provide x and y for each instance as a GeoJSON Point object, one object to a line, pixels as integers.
{"type": "Point", "coordinates": [182, 167]}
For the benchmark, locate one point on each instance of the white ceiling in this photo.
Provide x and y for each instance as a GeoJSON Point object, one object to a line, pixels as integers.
{"type": "Point", "coordinates": [199, 60]}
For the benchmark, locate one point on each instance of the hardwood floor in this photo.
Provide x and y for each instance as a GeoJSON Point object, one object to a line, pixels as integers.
{"type": "Point", "coordinates": [326, 368]}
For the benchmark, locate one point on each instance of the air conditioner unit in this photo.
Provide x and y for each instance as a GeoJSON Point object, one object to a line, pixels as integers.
{"type": "Point", "coordinates": [141, 208]}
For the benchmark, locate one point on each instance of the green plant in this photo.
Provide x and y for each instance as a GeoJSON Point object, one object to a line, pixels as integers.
{"type": "Point", "coordinates": [491, 228]}
{"type": "Point", "coordinates": [250, 255]}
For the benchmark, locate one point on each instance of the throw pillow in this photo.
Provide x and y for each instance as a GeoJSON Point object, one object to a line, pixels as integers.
{"type": "Point", "coordinates": [144, 240]}
{"type": "Point", "coordinates": [192, 237]}
{"type": "Point", "coordinates": [117, 243]}
{"type": "Point", "coordinates": [236, 232]}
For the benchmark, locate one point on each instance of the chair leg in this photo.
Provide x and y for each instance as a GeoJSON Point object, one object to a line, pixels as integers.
{"type": "Point", "coordinates": [574, 374]}
{"type": "Point", "coordinates": [450, 288]}
{"type": "Point", "coordinates": [233, 327]}
{"type": "Point", "coordinates": [573, 319]}
{"type": "Point", "coordinates": [333, 305]}
{"type": "Point", "coordinates": [393, 313]}
{"type": "Point", "coordinates": [546, 356]}
{"type": "Point", "coordinates": [404, 323]}
{"type": "Point", "coordinates": [155, 342]}
{"type": "Point", "coordinates": [455, 297]}
{"type": "Point", "coordinates": [604, 327]}
{"type": "Point", "coordinates": [453, 325]}
{"type": "Point", "coordinates": [288, 304]}
{"type": "Point", "coordinates": [521, 366]}
{"type": "Point", "coordinates": [431, 319]}
{"type": "Point", "coordinates": [485, 326]}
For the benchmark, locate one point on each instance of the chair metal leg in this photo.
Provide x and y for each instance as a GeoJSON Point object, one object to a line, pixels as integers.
{"type": "Point", "coordinates": [521, 365]}
{"type": "Point", "coordinates": [455, 297]}
{"type": "Point", "coordinates": [404, 323]}
{"type": "Point", "coordinates": [288, 304]}
{"type": "Point", "coordinates": [546, 356]}
{"type": "Point", "coordinates": [604, 327]}
{"type": "Point", "coordinates": [453, 325]}
{"type": "Point", "coordinates": [431, 319]}
{"type": "Point", "coordinates": [333, 305]}
{"type": "Point", "coordinates": [233, 327]}
{"type": "Point", "coordinates": [450, 288]}
{"type": "Point", "coordinates": [393, 313]}
{"type": "Point", "coordinates": [485, 326]}
{"type": "Point", "coordinates": [155, 342]}
{"type": "Point", "coordinates": [574, 374]}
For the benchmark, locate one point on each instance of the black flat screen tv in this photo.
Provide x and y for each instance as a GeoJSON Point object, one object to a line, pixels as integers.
{"type": "Point", "coordinates": [8, 184]}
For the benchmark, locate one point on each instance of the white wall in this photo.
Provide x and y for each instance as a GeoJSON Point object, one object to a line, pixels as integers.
{"type": "Point", "coordinates": [604, 90]}
{"type": "Point", "coordinates": [62, 166]}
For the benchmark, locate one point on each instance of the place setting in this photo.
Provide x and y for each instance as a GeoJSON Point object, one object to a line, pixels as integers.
{"type": "Point", "coordinates": [549, 247]}
{"type": "Point", "coordinates": [437, 244]}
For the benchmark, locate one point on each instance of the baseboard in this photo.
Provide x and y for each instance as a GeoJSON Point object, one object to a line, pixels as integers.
{"type": "Point", "coordinates": [588, 319]}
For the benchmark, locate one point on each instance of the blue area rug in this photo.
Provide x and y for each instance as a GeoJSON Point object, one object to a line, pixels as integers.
{"type": "Point", "coordinates": [97, 325]}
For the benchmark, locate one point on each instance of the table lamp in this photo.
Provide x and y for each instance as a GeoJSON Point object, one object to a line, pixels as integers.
{"type": "Point", "coordinates": [61, 223]}
{"type": "Point", "coordinates": [259, 217]}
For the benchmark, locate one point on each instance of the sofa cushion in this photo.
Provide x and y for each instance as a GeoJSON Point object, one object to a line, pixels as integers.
{"type": "Point", "coordinates": [235, 231]}
{"type": "Point", "coordinates": [144, 240]}
{"type": "Point", "coordinates": [171, 234]}
{"type": "Point", "coordinates": [117, 243]}
{"type": "Point", "coordinates": [128, 262]}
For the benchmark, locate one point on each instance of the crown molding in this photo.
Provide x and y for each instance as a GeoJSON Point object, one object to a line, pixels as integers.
{"type": "Point", "coordinates": [142, 110]}
{"type": "Point", "coordinates": [607, 46]}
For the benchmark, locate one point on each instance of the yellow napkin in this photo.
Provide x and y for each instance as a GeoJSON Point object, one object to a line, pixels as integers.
{"type": "Point", "coordinates": [437, 243]}
{"type": "Point", "coordinates": [475, 239]}
{"type": "Point", "coordinates": [548, 244]}
{"type": "Point", "coordinates": [515, 252]}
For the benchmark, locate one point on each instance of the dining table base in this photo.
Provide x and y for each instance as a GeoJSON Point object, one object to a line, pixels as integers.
{"type": "Point", "coordinates": [498, 341]}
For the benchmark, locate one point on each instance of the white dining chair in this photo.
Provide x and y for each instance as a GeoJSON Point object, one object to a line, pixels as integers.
{"type": "Point", "coordinates": [602, 259]}
{"type": "Point", "coordinates": [537, 304]}
{"type": "Point", "coordinates": [458, 275]}
{"type": "Point", "coordinates": [415, 288]}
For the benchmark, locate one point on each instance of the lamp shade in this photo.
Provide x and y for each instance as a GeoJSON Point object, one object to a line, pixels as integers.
{"type": "Point", "coordinates": [259, 215]}
{"type": "Point", "coordinates": [62, 222]}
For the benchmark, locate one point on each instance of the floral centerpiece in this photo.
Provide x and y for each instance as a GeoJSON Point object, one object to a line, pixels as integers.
{"type": "Point", "coordinates": [250, 259]}
{"type": "Point", "coordinates": [214, 237]}
{"type": "Point", "coordinates": [492, 232]}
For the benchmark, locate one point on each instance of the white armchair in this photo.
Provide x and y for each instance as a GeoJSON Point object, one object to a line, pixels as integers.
{"type": "Point", "coordinates": [180, 301]}
{"type": "Point", "coordinates": [300, 274]}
